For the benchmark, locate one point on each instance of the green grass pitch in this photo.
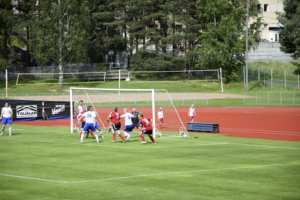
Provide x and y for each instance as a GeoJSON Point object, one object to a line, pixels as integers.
{"type": "Point", "coordinates": [40, 163]}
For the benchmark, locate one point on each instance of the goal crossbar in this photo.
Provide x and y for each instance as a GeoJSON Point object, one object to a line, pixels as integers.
{"type": "Point", "coordinates": [106, 89]}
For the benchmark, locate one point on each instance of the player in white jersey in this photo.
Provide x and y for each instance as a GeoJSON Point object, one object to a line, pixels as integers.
{"type": "Point", "coordinates": [80, 107]}
{"type": "Point", "coordinates": [6, 115]}
{"type": "Point", "coordinates": [160, 116]}
{"type": "Point", "coordinates": [128, 123]}
{"type": "Point", "coordinates": [90, 123]}
{"type": "Point", "coordinates": [192, 112]}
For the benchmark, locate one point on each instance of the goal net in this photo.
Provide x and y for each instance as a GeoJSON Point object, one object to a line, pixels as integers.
{"type": "Point", "coordinates": [146, 101]}
{"type": "Point", "coordinates": [52, 78]}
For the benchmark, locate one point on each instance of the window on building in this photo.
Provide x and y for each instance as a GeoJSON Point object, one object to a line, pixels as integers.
{"type": "Point", "coordinates": [259, 8]}
{"type": "Point", "coordinates": [273, 8]}
{"type": "Point", "coordinates": [280, 8]}
{"type": "Point", "coordinates": [266, 7]}
{"type": "Point", "coordinates": [266, 26]}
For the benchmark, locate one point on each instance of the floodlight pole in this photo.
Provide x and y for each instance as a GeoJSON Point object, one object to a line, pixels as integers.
{"type": "Point", "coordinates": [246, 57]}
{"type": "Point", "coordinates": [6, 83]}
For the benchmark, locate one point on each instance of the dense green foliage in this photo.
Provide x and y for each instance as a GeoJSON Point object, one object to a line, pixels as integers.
{"type": "Point", "coordinates": [5, 31]}
{"type": "Point", "coordinates": [290, 36]}
{"type": "Point", "coordinates": [157, 34]}
{"type": "Point", "coordinates": [40, 162]}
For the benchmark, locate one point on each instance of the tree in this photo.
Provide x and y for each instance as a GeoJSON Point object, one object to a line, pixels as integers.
{"type": "Point", "coordinates": [222, 38]}
{"type": "Point", "coordinates": [60, 33]}
{"type": "Point", "coordinates": [290, 35]}
{"type": "Point", "coordinates": [6, 20]}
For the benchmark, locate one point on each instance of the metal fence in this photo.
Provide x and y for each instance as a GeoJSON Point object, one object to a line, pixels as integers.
{"type": "Point", "coordinates": [274, 79]}
{"type": "Point", "coordinates": [271, 98]}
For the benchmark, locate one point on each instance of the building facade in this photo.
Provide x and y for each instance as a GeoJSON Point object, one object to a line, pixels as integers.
{"type": "Point", "coordinates": [268, 11]}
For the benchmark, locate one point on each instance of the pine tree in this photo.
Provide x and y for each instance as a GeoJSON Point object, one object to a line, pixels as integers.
{"type": "Point", "coordinates": [6, 20]}
{"type": "Point", "coordinates": [222, 38]}
{"type": "Point", "coordinates": [290, 35]}
{"type": "Point", "coordinates": [60, 33]}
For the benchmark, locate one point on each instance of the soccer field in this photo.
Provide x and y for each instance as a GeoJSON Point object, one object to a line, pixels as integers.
{"type": "Point", "coordinates": [40, 162]}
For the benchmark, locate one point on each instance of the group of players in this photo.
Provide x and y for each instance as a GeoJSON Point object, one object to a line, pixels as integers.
{"type": "Point", "coordinates": [87, 118]}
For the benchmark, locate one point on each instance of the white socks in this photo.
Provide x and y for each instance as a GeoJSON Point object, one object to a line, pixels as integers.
{"type": "Point", "coordinates": [127, 136]}
{"type": "Point", "coordinates": [81, 137]}
{"type": "Point", "coordinates": [97, 139]}
{"type": "Point", "coordinates": [9, 131]}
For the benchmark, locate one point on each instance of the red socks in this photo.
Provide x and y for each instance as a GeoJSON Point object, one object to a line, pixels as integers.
{"type": "Point", "coordinates": [151, 138]}
{"type": "Point", "coordinates": [141, 135]}
{"type": "Point", "coordinates": [121, 136]}
{"type": "Point", "coordinates": [114, 137]}
{"type": "Point", "coordinates": [91, 132]}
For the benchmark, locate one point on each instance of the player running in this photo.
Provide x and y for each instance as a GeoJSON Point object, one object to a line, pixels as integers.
{"type": "Point", "coordinates": [6, 115]}
{"type": "Point", "coordinates": [135, 120]}
{"type": "Point", "coordinates": [128, 123]}
{"type": "Point", "coordinates": [192, 112]}
{"type": "Point", "coordinates": [114, 117]}
{"type": "Point", "coordinates": [160, 116]}
{"type": "Point", "coordinates": [147, 124]}
{"type": "Point", "coordinates": [90, 123]}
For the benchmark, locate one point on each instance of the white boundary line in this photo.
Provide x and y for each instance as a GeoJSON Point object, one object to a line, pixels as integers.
{"type": "Point", "coordinates": [145, 175]}
{"type": "Point", "coordinates": [33, 178]}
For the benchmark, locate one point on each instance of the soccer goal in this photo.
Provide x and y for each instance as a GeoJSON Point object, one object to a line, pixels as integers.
{"type": "Point", "coordinates": [210, 75]}
{"type": "Point", "coordinates": [146, 101]}
{"type": "Point", "coordinates": [52, 78]}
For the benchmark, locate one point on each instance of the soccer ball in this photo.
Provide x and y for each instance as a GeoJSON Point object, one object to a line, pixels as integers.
{"type": "Point", "coordinates": [127, 79]}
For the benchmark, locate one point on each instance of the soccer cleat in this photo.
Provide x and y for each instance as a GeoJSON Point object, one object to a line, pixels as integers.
{"type": "Point", "coordinates": [102, 136]}
{"type": "Point", "coordinates": [143, 142]}
{"type": "Point", "coordinates": [113, 141]}
{"type": "Point", "coordinates": [153, 142]}
{"type": "Point", "coordinates": [1, 133]}
{"type": "Point", "coordinates": [127, 140]}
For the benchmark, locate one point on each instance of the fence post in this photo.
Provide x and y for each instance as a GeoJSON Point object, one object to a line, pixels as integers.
{"type": "Point", "coordinates": [256, 98]}
{"type": "Point", "coordinates": [264, 78]}
{"type": "Point", "coordinates": [244, 99]}
{"type": "Point", "coordinates": [280, 97]}
{"type": "Point", "coordinates": [258, 74]}
{"type": "Point", "coordinates": [271, 79]}
{"type": "Point", "coordinates": [284, 79]}
{"type": "Point", "coordinates": [244, 71]}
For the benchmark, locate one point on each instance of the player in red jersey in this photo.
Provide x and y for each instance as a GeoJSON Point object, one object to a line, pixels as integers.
{"type": "Point", "coordinates": [114, 117]}
{"type": "Point", "coordinates": [147, 124]}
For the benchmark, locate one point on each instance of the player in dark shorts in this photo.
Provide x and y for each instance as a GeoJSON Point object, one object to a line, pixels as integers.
{"type": "Point", "coordinates": [135, 120]}
{"type": "Point", "coordinates": [114, 117]}
{"type": "Point", "coordinates": [146, 123]}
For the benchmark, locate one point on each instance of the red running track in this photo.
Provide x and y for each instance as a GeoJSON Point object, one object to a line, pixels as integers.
{"type": "Point", "coordinates": [276, 123]}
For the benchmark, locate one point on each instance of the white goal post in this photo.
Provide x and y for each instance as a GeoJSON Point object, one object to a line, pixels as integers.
{"type": "Point", "coordinates": [93, 96]}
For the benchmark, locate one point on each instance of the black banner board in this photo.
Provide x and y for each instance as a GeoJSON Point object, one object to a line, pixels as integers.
{"type": "Point", "coordinates": [26, 109]}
